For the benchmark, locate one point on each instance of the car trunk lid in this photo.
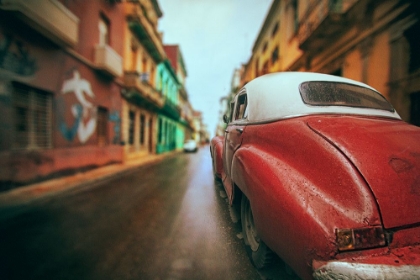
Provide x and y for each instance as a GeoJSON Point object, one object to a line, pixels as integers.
{"type": "Point", "coordinates": [387, 154]}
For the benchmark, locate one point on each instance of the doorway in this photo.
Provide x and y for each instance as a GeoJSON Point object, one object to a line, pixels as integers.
{"type": "Point", "coordinates": [151, 135]}
{"type": "Point", "coordinates": [415, 108]}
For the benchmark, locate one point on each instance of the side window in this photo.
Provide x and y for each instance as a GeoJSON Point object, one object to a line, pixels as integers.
{"type": "Point", "coordinates": [241, 106]}
{"type": "Point", "coordinates": [232, 108]}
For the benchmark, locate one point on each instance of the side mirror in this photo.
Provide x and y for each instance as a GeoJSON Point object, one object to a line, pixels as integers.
{"type": "Point", "coordinates": [225, 119]}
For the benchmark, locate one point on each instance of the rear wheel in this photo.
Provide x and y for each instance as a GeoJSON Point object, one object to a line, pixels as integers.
{"type": "Point", "coordinates": [261, 255]}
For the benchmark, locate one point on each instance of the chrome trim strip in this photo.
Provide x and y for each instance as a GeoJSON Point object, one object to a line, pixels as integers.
{"type": "Point", "coordinates": [345, 270]}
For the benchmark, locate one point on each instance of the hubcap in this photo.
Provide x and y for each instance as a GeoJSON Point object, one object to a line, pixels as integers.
{"type": "Point", "coordinates": [250, 231]}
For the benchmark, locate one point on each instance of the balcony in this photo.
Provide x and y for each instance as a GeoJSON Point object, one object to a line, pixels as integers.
{"type": "Point", "coordinates": [108, 60]}
{"type": "Point", "coordinates": [171, 110]}
{"type": "Point", "coordinates": [48, 17]}
{"type": "Point", "coordinates": [144, 31]}
{"type": "Point", "coordinates": [141, 92]}
{"type": "Point", "coordinates": [322, 20]}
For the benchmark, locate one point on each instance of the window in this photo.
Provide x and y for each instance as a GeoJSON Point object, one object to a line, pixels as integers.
{"type": "Point", "coordinates": [150, 135]}
{"type": "Point", "coordinates": [265, 67]}
{"type": "Point", "coordinates": [160, 131]}
{"type": "Point", "coordinates": [415, 108]}
{"type": "Point", "coordinates": [241, 104]}
{"type": "Point", "coordinates": [338, 72]}
{"type": "Point", "coordinates": [264, 47]}
{"type": "Point", "coordinates": [103, 31]}
{"type": "Point", "coordinates": [232, 107]}
{"type": "Point", "coordinates": [152, 76]}
{"type": "Point", "coordinates": [165, 132]}
{"type": "Point", "coordinates": [275, 55]}
{"type": "Point", "coordinates": [414, 43]}
{"type": "Point", "coordinates": [144, 72]}
{"type": "Point", "coordinates": [342, 94]}
{"type": "Point", "coordinates": [102, 126]}
{"type": "Point", "coordinates": [32, 113]}
{"type": "Point", "coordinates": [296, 15]}
{"type": "Point", "coordinates": [131, 120]}
{"type": "Point", "coordinates": [134, 57]}
{"type": "Point", "coordinates": [275, 29]}
{"type": "Point", "coordinates": [142, 128]}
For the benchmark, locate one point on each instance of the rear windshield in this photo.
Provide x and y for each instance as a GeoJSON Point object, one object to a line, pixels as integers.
{"type": "Point", "coordinates": [342, 94]}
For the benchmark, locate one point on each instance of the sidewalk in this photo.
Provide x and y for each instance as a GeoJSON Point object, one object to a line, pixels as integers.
{"type": "Point", "coordinates": [29, 193]}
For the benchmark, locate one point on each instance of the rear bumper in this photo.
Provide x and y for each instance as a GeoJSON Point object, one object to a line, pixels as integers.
{"type": "Point", "coordinates": [348, 270]}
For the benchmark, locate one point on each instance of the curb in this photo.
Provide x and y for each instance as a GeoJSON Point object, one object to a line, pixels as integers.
{"type": "Point", "coordinates": [16, 198]}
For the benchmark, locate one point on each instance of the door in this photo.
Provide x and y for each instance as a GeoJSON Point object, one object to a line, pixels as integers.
{"type": "Point", "coordinates": [233, 136]}
{"type": "Point", "coordinates": [151, 135]}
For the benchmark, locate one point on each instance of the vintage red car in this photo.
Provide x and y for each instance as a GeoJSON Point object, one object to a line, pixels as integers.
{"type": "Point", "coordinates": [327, 175]}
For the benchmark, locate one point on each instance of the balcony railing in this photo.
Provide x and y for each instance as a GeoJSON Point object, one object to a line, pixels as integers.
{"type": "Point", "coordinates": [171, 110]}
{"type": "Point", "coordinates": [49, 17]}
{"type": "Point", "coordinates": [141, 89]}
{"type": "Point", "coordinates": [108, 60]}
{"type": "Point", "coordinates": [145, 32]}
{"type": "Point", "coordinates": [322, 19]}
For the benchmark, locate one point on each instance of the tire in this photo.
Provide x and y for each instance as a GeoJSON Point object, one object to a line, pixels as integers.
{"type": "Point", "coordinates": [215, 178]}
{"type": "Point", "coordinates": [261, 256]}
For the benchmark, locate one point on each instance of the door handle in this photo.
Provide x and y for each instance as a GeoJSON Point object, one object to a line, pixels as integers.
{"type": "Point", "coordinates": [240, 130]}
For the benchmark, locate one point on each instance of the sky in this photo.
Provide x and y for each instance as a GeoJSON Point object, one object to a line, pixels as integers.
{"type": "Point", "coordinates": [215, 37]}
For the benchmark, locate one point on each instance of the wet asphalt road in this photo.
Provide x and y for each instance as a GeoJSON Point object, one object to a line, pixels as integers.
{"type": "Point", "coordinates": [167, 220]}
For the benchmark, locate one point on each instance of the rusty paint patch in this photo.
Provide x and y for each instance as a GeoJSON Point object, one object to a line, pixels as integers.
{"type": "Point", "coordinates": [400, 165]}
{"type": "Point", "coordinates": [415, 187]}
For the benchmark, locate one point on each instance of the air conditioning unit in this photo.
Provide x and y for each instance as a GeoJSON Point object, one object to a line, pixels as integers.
{"type": "Point", "coordinates": [144, 77]}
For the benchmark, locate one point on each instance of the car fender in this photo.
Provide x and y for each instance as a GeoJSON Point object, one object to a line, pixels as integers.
{"type": "Point", "coordinates": [292, 200]}
{"type": "Point", "coordinates": [216, 150]}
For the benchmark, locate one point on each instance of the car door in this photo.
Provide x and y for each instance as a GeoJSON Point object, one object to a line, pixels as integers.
{"type": "Point", "coordinates": [234, 132]}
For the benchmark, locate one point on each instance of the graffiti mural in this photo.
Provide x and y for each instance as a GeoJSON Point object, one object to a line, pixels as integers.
{"type": "Point", "coordinates": [15, 57]}
{"type": "Point", "coordinates": [69, 133]}
{"type": "Point", "coordinates": [84, 113]}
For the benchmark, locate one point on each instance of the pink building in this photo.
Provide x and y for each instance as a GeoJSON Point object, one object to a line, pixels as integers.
{"type": "Point", "coordinates": [60, 87]}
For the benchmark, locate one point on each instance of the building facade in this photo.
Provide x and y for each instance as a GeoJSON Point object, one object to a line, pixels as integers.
{"type": "Point", "coordinates": [170, 113]}
{"type": "Point", "coordinates": [372, 41]}
{"type": "Point", "coordinates": [142, 95]}
{"type": "Point", "coordinates": [200, 134]}
{"type": "Point", "coordinates": [88, 85]}
{"type": "Point", "coordinates": [225, 102]}
{"type": "Point", "coordinates": [60, 84]}
{"type": "Point", "coordinates": [185, 124]}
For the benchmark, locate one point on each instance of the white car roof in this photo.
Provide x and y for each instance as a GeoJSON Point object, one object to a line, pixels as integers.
{"type": "Point", "coordinates": [276, 96]}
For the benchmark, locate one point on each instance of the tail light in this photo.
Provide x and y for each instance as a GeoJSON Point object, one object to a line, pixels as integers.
{"type": "Point", "coordinates": [360, 238]}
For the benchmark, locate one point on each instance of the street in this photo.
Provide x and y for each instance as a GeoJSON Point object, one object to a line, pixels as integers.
{"type": "Point", "coordinates": [167, 220]}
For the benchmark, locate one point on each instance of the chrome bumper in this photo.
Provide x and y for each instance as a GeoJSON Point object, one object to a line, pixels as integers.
{"type": "Point", "coordinates": [345, 270]}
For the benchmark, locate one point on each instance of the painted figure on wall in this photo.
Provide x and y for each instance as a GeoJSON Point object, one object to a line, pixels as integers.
{"type": "Point", "coordinates": [84, 113]}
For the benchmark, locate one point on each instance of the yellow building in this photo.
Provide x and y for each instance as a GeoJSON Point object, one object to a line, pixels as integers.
{"type": "Point", "coordinates": [373, 41]}
{"type": "Point", "coordinates": [143, 51]}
